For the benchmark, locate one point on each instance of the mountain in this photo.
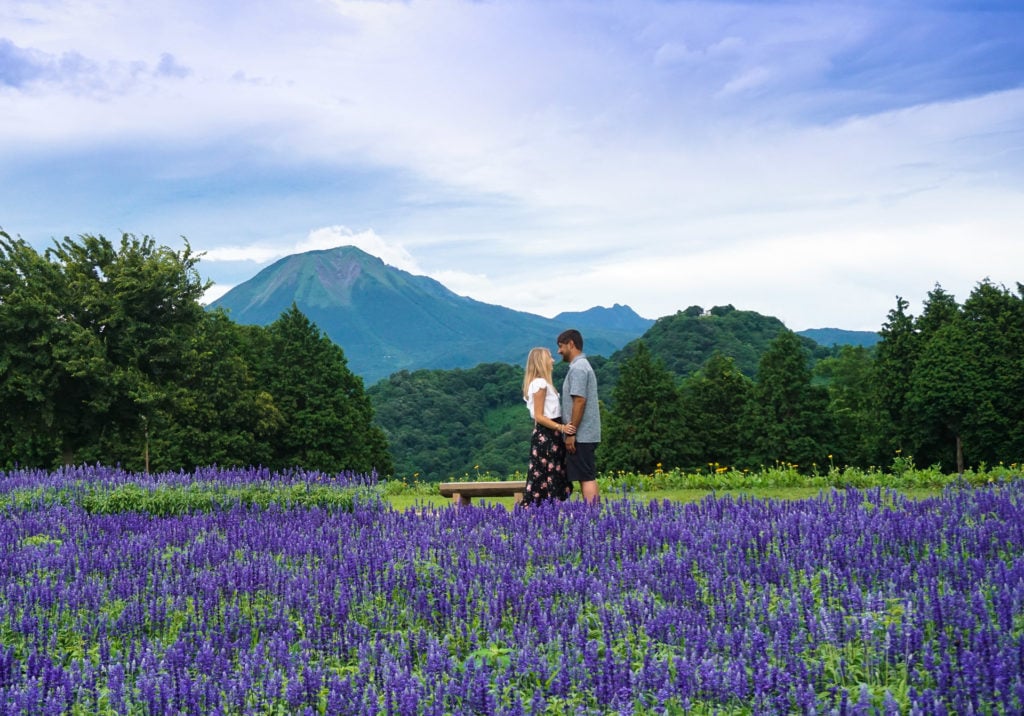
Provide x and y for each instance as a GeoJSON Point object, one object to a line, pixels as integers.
{"type": "Point", "coordinates": [839, 337]}
{"type": "Point", "coordinates": [617, 319]}
{"type": "Point", "coordinates": [686, 340]}
{"type": "Point", "coordinates": [387, 320]}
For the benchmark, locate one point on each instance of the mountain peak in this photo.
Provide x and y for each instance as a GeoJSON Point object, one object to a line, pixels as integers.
{"type": "Point", "coordinates": [387, 320]}
{"type": "Point", "coordinates": [322, 278]}
{"type": "Point", "coordinates": [618, 317]}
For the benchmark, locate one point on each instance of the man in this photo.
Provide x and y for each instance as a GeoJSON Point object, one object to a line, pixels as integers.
{"type": "Point", "coordinates": [580, 410]}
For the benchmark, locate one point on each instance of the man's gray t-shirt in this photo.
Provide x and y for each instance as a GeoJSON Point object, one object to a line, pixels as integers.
{"type": "Point", "coordinates": [580, 380]}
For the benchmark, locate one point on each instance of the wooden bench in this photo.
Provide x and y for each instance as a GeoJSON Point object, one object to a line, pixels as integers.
{"type": "Point", "coordinates": [463, 492]}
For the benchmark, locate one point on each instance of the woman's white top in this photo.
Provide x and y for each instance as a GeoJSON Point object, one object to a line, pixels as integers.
{"type": "Point", "coordinates": [552, 408]}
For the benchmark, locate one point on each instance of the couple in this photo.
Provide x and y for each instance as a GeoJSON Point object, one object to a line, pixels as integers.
{"type": "Point", "coordinates": [566, 432]}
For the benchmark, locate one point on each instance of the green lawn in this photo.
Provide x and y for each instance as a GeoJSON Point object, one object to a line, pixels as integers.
{"type": "Point", "coordinates": [404, 502]}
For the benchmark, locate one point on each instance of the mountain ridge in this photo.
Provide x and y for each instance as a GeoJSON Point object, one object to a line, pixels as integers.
{"type": "Point", "coordinates": [388, 320]}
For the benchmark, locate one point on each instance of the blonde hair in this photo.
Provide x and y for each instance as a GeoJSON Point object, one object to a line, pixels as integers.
{"type": "Point", "coordinates": [538, 365]}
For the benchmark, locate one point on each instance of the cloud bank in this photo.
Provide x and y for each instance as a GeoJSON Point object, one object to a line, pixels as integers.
{"type": "Point", "coordinates": [807, 160]}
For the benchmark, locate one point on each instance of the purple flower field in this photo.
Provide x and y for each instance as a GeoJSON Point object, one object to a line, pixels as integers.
{"type": "Point", "coordinates": [853, 602]}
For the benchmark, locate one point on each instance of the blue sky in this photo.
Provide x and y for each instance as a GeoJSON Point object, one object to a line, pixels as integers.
{"type": "Point", "coordinates": [806, 160]}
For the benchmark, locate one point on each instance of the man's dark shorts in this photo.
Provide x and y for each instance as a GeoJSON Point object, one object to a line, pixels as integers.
{"type": "Point", "coordinates": [581, 466]}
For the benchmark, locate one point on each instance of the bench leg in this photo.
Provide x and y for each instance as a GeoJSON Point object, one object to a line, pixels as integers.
{"type": "Point", "coordinates": [458, 499]}
{"type": "Point", "coordinates": [518, 497]}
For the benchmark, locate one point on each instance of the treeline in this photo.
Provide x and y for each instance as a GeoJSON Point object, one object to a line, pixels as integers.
{"type": "Point", "coordinates": [107, 356]}
{"type": "Point", "coordinates": [943, 388]}
{"type": "Point", "coordinates": [723, 389]}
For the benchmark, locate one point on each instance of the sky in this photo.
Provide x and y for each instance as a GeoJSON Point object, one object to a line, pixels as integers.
{"type": "Point", "coordinates": [811, 161]}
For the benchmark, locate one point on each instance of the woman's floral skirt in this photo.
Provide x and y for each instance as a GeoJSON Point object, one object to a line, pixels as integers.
{"type": "Point", "coordinates": [546, 477]}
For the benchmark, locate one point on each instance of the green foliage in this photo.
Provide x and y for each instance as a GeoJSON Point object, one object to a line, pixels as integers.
{"type": "Point", "coordinates": [221, 415]}
{"type": "Point", "coordinates": [715, 401]}
{"type": "Point", "coordinates": [901, 474]}
{"type": "Point", "coordinates": [444, 423]}
{"type": "Point", "coordinates": [963, 401]}
{"type": "Point", "coordinates": [109, 357]}
{"type": "Point", "coordinates": [849, 379]}
{"type": "Point", "coordinates": [895, 357]}
{"type": "Point", "coordinates": [326, 420]}
{"type": "Point", "coordinates": [107, 325]}
{"type": "Point", "coordinates": [686, 340]}
{"type": "Point", "coordinates": [787, 419]}
{"type": "Point", "coordinates": [645, 428]}
{"type": "Point", "coordinates": [178, 500]}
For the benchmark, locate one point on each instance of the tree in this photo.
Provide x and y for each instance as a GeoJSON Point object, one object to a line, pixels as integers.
{"type": "Point", "coordinates": [217, 415]}
{"type": "Point", "coordinates": [895, 356]}
{"type": "Point", "coordinates": [965, 390]}
{"type": "Point", "coordinates": [714, 401]}
{"type": "Point", "coordinates": [326, 418]}
{"type": "Point", "coordinates": [994, 318]}
{"type": "Point", "coordinates": [852, 407]}
{"type": "Point", "coordinates": [788, 420]}
{"type": "Point", "coordinates": [108, 325]}
{"type": "Point", "coordinates": [643, 429]}
{"type": "Point", "coordinates": [31, 331]}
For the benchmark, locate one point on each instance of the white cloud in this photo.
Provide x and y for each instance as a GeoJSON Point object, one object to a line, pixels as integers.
{"type": "Point", "coordinates": [389, 252]}
{"type": "Point", "coordinates": [214, 292]}
{"type": "Point", "coordinates": [657, 154]}
{"type": "Point", "coordinates": [753, 79]}
{"type": "Point", "coordinates": [327, 237]}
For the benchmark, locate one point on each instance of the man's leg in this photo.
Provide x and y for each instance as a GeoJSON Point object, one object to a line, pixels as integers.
{"type": "Point", "coordinates": [581, 467]}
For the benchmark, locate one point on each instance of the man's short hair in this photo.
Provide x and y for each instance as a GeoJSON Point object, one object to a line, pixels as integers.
{"type": "Point", "coordinates": [571, 335]}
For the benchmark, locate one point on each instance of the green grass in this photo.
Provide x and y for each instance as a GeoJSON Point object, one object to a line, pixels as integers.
{"type": "Point", "coordinates": [402, 502]}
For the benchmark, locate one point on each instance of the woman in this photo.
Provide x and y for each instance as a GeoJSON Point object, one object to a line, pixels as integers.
{"type": "Point", "coordinates": [545, 476]}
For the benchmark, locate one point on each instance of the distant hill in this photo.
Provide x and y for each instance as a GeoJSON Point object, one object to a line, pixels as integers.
{"type": "Point", "coordinates": [617, 318]}
{"type": "Point", "coordinates": [387, 320]}
{"type": "Point", "coordinates": [838, 337]}
{"type": "Point", "coordinates": [685, 341]}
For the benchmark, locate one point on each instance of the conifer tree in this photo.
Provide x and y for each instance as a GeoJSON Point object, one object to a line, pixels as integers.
{"type": "Point", "coordinates": [326, 417]}
{"type": "Point", "coordinates": [788, 421]}
{"type": "Point", "coordinates": [644, 428]}
{"type": "Point", "coordinates": [714, 401]}
{"type": "Point", "coordinates": [849, 376]}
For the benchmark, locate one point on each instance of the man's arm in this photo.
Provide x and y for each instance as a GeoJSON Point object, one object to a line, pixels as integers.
{"type": "Point", "coordinates": [578, 404]}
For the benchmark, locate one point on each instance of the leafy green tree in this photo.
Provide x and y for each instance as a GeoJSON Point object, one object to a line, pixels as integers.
{"type": "Point", "coordinates": [965, 387]}
{"type": "Point", "coordinates": [994, 318]}
{"type": "Point", "coordinates": [218, 414]}
{"type": "Point", "coordinates": [849, 377]}
{"type": "Point", "coordinates": [943, 387]}
{"type": "Point", "coordinates": [788, 420]}
{"type": "Point", "coordinates": [32, 333]}
{"type": "Point", "coordinates": [940, 308]}
{"type": "Point", "coordinates": [326, 420]}
{"type": "Point", "coordinates": [110, 323]}
{"type": "Point", "coordinates": [643, 430]}
{"type": "Point", "coordinates": [715, 400]}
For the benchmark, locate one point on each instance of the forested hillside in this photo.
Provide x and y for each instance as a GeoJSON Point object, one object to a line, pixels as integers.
{"type": "Point", "coordinates": [710, 389]}
{"type": "Point", "coordinates": [686, 340]}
